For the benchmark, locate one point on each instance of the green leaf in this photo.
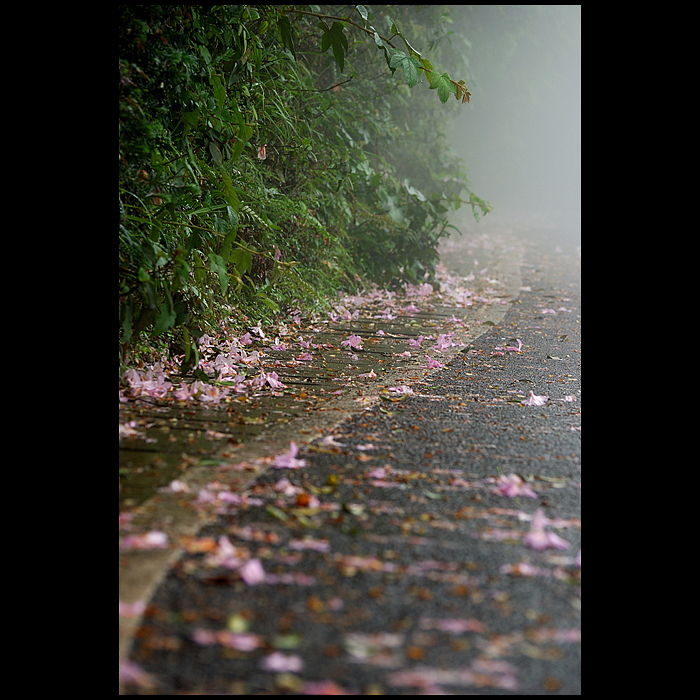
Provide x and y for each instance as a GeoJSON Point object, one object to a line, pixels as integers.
{"type": "Point", "coordinates": [257, 57]}
{"type": "Point", "coordinates": [219, 92]}
{"type": "Point", "coordinates": [442, 84]}
{"type": "Point", "coordinates": [165, 320]}
{"type": "Point", "coordinates": [191, 119]}
{"type": "Point", "coordinates": [337, 30]}
{"type": "Point", "coordinates": [397, 57]}
{"type": "Point", "coordinates": [325, 37]}
{"type": "Point", "coordinates": [412, 190]}
{"type": "Point", "coordinates": [267, 301]}
{"type": "Point", "coordinates": [286, 34]}
{"type": "Point", "coordinates": [237, 623]}
{"type": "Point", "coordinates": [411, 71]}
{"type": "Point", "coordinates": [237, 149]}
{"type": "Point", "coordinates": [230, 191]}
{"type": "Point", "coordinates": [204, 51]}
{"type": "Point", "coordinates": [242, 259]}
{"type": "Point", "coordinates": [411, 66]}
{"type": "Point", "coordinates": [275, 512]}
{"type": "Point", "coordinates": [339, 56]}
{"type": "Point", "coordinates": [128, 316]}
{"type": "Point", "coordinates": [228, 242]}
{"type": "Point", "coordinates": [188, 346]}
{"type": "Point", "coordinates": [216, 153]}
{"type": "Point", "coordinates": [218, 267]}
{"type": "Point", "coordinates": [192, 161]}
{"type": "Point", "coordinates": [335, 38]}
{"type": "Point", "coordinates": [143, 275]}
{"type": "Point", "coordinates": [413, 51]}
{"type": "Point", "coordinates": [287, 641]}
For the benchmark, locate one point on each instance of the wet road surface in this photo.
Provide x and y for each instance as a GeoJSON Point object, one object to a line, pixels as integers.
{"type": "Point", "coordinates": [429, 544]}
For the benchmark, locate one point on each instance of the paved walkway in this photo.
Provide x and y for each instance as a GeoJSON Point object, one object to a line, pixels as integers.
{"type": "Point", "coordinates": [427, 544]}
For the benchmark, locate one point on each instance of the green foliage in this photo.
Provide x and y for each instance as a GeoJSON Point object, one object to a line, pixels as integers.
{"type": "Point", "coordinates": [335, 38]}
{"type": "Point", "coordinates": [259, 171]}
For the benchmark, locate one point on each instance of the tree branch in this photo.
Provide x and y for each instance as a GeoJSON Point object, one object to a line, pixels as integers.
{"type": "Point", "coordinates": [372, 32]}
{"type": "Point", "coordinates": [342, 19]}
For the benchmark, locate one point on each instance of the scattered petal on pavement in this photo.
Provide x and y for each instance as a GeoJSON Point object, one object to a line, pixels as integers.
{"type": "Point", "coordinates": [288, 459]}
{"type": "Point", "coordinates": [533, 400]}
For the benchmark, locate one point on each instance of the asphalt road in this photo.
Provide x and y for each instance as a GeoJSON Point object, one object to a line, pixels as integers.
{"type": "Point", "coordinates": [430, 545]}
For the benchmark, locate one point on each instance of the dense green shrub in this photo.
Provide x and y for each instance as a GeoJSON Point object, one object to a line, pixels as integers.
{"type": "Point", "coordinates": [269, 155]}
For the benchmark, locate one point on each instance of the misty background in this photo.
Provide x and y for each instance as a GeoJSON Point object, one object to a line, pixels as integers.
{"type": "Point", "coordinates": [520, 136]}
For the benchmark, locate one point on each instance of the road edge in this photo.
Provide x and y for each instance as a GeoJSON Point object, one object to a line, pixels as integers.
{"type": "Point", "coordinates": [176, 514]}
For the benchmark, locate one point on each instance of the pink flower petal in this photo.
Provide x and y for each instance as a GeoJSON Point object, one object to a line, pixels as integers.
{"type": "Point", "coordinates": [252, 572]}
{"type": "Point", "coordinates": [513, 486]}
{"type": "Point", "coordinates": [400, 389]}
{"type": "Point", "coordinates": [280, 663]}
{"type": "Point", "coordinates": [316, 545]}
{"type": "Point", "coordinates": [151, 540]}
{"type": "Point", "coordinates": [323, 688]}
{"type": "Point", "coordinates": [132, 609]}
{"type": "Point", "coordinates": [533, 400]}
{"type": "Point", "coordinates": [131, 673]}
{"type": "Point", "coordinates": [354, 341]}
{"type": "Point", "coordinates": [433, 364]}
{"type": "Point", "coordinates": [285, 487]}
{"type": "Point", "coordinates": [442, 343]}
{"type": "Point", "coordinates": [544, 540]}
{"type": "Point", "coordinates": [288, 460]}
{"type": "Point", "coordinates": [241, 641]}
{"type": "Point", "coordinates": [368, 375]}
{"type": "Point", "coordinates": [538, 538]}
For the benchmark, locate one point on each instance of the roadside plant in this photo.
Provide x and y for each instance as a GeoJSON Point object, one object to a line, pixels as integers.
{"type": "Point", "coordinates": [272, 155]}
